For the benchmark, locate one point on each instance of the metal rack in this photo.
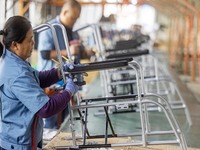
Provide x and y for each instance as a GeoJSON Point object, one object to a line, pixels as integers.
{"type": "Point", "coordinates": [158, 80]}
{"type": "Point", "coordinates": [143, 99]}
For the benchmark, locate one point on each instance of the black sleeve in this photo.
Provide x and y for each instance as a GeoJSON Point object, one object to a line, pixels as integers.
{"type": "Point", "coordinates": [45, 54]}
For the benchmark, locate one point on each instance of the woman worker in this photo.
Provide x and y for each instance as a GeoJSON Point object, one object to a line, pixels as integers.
{"type": "Point", "coordinates": [23, 102]}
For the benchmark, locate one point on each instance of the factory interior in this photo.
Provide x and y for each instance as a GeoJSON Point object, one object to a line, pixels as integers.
{"type": "Point", "coordinates": [138, 86]}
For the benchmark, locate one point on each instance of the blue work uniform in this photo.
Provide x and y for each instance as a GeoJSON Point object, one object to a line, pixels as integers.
{"type": "Point", "coordinates": [46, 43]}
{"type": "Point", "coordinates": [21, 97]}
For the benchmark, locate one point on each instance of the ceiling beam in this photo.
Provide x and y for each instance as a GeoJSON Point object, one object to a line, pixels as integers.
{"type": "Point", "coordinates": [24, 6]}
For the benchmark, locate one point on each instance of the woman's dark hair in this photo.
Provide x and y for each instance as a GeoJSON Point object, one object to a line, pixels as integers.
{"type": "Point", "coordinates": [15, 29]}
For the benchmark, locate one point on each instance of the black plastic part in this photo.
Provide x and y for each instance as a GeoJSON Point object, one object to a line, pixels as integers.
{"type": "Point", "coordinates": [80, 83]}
{"type": "Point", "coordinates": [128, 54]}
{"type": "Point", "coordinates": [111, 98]}
{"type": "Point", "coordinates": [133, 78]}
{"type": "Point", "coordinates": [94, 146]}
{"type": "Point", "coordinates": [101, 65]}
{"type": "Point", "coordinates": [102, 136]}
{"type": "Point", "coordinates": [130, 44]}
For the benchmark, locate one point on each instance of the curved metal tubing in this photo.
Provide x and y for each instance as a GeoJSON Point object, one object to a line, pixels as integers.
{"type": "Point", "coordinates": [167, 111]}
{"type": "Point", "coordinates": [65, 39]}
{"type": "Point", "coordinates": [140, 91]}
{"type": "Point", "coordinates": [46, 26]}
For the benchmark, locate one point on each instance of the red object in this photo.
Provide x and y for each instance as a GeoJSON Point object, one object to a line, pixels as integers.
{"type": "Point", "coordinates": [33, 132]}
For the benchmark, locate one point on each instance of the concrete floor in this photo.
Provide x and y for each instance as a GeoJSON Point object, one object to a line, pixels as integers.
{"type": "Point", "coordinates": [190, 92]}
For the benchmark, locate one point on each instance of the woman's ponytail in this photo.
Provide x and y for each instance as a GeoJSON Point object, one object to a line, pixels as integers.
{"type": "Point", "coordinates": [1, 49]}
{"type": "Point", "coordinates": [1, 45]}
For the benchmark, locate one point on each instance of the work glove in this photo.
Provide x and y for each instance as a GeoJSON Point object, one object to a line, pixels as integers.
{"type": "Point", "coordinates": [68, 66]}
{"type": "Point", "coordinates": [71, 87]}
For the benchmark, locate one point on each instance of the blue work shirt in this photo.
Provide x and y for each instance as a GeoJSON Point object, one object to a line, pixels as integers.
{"type": "Point", "coordinates": [21, 97]}
{"type": "Point", "coordinates": [46, 43]}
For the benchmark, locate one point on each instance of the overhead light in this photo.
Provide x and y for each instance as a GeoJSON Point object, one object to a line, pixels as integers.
{"type": "Point", "coordinates": [42, 1]}
{"type": "Point", "coordinates": [134, 2]}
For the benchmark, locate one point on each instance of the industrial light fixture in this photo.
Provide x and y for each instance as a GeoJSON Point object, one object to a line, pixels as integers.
{"type": "Point", "coordinates": [134, 2]}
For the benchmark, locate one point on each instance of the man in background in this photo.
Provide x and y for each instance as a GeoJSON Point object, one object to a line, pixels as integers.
{"type": "Point", "coordinates": [70, 12]}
